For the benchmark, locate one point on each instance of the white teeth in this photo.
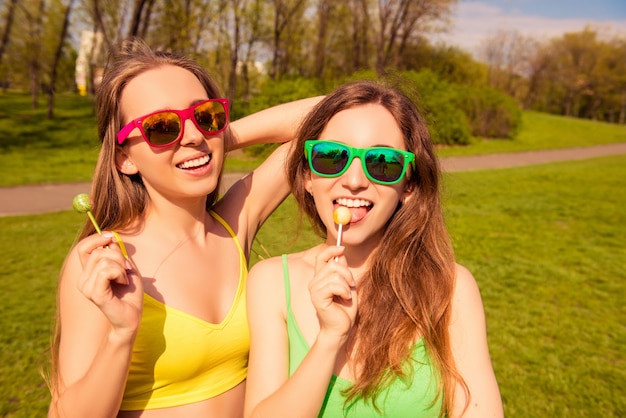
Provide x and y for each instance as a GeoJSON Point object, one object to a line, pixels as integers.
{"type": "Point", "coordinates": [195, 163]}
{"type": "Point", "coordinates": [353, 203]}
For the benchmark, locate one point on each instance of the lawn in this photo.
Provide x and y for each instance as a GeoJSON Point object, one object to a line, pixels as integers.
{"type": "Point", "coordinates": [35, 150]}
{"type": "Point", "coordinates": [545, 243]}
{"type": "Point", "coordinates": [548, 254]}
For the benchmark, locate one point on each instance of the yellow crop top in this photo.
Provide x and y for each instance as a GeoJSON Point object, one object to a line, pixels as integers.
{"type": "Point", "coordinates": [179, 359]}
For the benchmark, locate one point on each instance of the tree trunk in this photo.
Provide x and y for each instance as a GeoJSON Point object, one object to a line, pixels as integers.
{"type": "Point", "coordinates": [7, 28]}
{"type": "Point", "coordinates": [320, 47]}
{"type": "Point", "coordinates": [57, 58]}
{"type": "Point", "coordinates": [34, 65]}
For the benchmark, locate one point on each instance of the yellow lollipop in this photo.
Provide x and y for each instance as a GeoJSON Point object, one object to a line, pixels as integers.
{"type": "Point", "coordinates": [341, 216]}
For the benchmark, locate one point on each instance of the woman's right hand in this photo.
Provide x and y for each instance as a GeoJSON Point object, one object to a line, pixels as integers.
{"type": "Point", "coordinates": [110, 281]}
{"type": "Point", "coordinates": [333, 293]}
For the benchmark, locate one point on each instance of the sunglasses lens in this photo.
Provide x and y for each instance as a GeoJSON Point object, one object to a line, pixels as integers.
{"type": "Point", "coordinates": [210, 116]}
{"type": "Point", "coordinates": [162, 128]}
{"type": "Point", "coordinates": [385, 165]}
{"type": "Point", "coordinates": [329, 159]}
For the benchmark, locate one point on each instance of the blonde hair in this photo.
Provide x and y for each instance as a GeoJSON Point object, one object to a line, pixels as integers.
{"type": "Point", "coordinates": [412, 273]}
{"type": "Point", "coordinates": [119, 199]}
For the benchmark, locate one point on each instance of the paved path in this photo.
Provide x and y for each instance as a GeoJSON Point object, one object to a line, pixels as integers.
{"type": "Point", "coordinates": [23, 200]}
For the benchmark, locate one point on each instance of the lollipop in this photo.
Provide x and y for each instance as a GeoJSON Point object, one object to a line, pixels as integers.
{"type": "Point", "coordinates": [341, 216]}
{"type": "Point", "coordinates": [82, 203]}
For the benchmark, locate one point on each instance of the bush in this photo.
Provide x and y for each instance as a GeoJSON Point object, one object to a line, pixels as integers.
{"type": "Point", "coordinates": [276, 92]}
{"type": "Point", "coordinates": [438, 100]}
{"type": "Point", "coordinates": [491, 113]}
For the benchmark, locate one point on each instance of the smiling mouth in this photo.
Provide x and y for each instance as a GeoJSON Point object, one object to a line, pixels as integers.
{"type": "Point", "coordinates": [358, 207]}
{"type": "Point", "coordinates": [195, 163]}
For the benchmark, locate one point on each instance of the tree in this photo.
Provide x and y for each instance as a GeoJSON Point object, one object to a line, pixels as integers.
{"type": "Point", "coordinates": [284, 12]}
{"type": "Point", "coordinates": [8, 24]}
{"type": "Point", "coordinates": [508, 55]}
{"type": "Point", "coordinates": [401, 21]}
{"type": "Point", "coordinates": [57, 58]}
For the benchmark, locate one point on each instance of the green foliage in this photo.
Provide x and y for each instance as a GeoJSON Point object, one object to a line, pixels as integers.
{"type": "Point", "coordinates": [277, 92]}
{"type": "Point", "coordinates": [448, 62]}
{"type": "Point", "coordinates": [491, 113]}
{"type": "Point", "coordinates": [273, 93]}
{"type": "Point", "coordinates": [446, 121]}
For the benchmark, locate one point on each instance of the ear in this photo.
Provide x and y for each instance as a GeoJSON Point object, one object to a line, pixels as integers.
{"type": "Point", "coordinates": [407, 193]}
{"type": "Point", "coordinates": [308, 185]}
{"type": "Point", "coordinates": [124, 163]}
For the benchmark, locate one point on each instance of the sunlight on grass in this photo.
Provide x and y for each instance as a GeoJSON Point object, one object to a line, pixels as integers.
{"type": "Point", "coordinates": [545, 131]}
{"type": "Point", "coordinates": [545, 243]}
{"type": "Point", "coordinates": [36, 150]}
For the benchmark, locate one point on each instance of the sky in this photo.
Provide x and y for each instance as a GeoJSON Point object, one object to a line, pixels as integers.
{"type": "Point", "coordinates": [473, 21]}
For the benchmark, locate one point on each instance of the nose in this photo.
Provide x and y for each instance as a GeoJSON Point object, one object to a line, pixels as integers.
{"type": "Point", "coordinates": [191, 134]}
{"type": "Point", "coordinates": [354, 177]}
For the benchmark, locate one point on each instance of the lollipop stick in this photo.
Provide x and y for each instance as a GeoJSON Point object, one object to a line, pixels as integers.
{"type": "Point", "coordinates": [93, 221]}
{"type": "Point", "coordinates": [82, 203]}
{"type": "Point", "coordinates": [339, 229]}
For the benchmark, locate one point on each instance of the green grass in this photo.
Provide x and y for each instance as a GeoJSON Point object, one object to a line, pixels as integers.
{"type": "Point", "coordinates": [546, 244]}
{"type": "Point", "coordinates": [34, 150]}
{"type": "Point", "coordinates": [544, 131]}
{"type": "Point", "coordinates": [548, 254]}
{"type": "Point", "coordinates": [33, 249]}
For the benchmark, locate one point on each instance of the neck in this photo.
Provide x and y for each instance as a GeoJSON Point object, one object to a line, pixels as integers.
{"type": "Point", "coordinates": [358, 257]}
{"type": "Point", "coordinates": [178, 221]}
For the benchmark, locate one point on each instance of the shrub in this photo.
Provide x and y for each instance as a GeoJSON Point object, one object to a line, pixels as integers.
{"type": "Point", "coordinates": [438, 99]}
{"type": "Point", "coordinates": [491, 113]}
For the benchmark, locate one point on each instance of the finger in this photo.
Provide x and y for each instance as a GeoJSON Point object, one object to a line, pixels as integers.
{"type": "Point", "coordinates": [326, 292]}
{"type": "Point", "coordinates": [87, 245]}
{"type": "Point", "coordinates": [329, 252]}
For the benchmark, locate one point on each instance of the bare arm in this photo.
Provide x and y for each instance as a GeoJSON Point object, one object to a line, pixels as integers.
{"type": "Point", "coordinates": [276, 124]}
{"type": "Point", "coordinates": [252, 200]}
{"type": "Point", "coordinates": [270, 391]}
{"type": "Point", "coordinates": [471, 353]}
{"type": "Point", "coordinates": [100, 309]}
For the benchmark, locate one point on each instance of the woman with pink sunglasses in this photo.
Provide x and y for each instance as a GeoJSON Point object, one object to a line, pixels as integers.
{"type": "Point", "coordinates": [151, 313]}
{"type": "Point", "coordinates": [383, 323]}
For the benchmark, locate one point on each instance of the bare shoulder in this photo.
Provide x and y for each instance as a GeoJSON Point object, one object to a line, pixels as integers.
{"type": "Point", "coordinates": [71, 268]}
{"type": "Point", "coordinates": [269, 275]}
{"type": "Point", "coordinates": [274, 267]}
{"type": "Point", "coordinates": [466, 298]}
{"type": "Point", "coordinates": [465, 281]}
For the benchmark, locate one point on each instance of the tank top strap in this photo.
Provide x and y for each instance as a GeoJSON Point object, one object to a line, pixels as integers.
{"type": "Point", "coordinates": [286, 279]}
{"type": "Point", "coordinates": [227, 227]}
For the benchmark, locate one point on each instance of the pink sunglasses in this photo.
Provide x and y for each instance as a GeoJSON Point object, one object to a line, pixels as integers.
{"type": "Point", "coordinates": [165, 127]}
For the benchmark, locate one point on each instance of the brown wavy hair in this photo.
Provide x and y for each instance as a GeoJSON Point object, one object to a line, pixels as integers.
{"type": "Point", "coordinates": [411, 277]}
{"type": "Point", "coordinates": [119, 199]}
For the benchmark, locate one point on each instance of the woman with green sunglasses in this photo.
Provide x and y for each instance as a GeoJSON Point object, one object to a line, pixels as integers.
{"type": "Point", "coordinates": [151, 318]}
{"type": "Point", "coordinates": [386, 323]}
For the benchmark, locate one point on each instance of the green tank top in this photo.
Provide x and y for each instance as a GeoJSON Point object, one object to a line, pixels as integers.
{"type": "Point", "coordinates": [414, 397]}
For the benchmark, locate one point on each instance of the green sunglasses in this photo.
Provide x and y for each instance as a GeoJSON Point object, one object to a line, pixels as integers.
{"type": "Point", "coordinates": [381, 165]}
